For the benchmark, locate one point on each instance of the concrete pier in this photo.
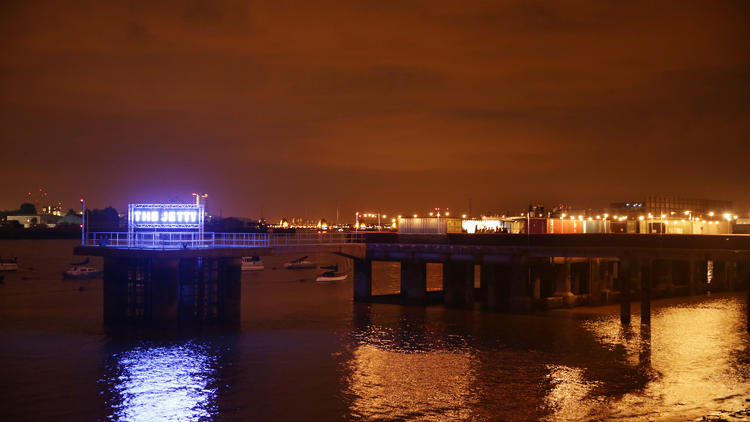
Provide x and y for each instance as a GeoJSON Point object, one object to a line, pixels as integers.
{"type": "Point", "coordinates": [495, 279]}
{"type": "Point", "coordinates": [414, 281]}
{"type": "Point", "coordinates": [692, 278]}
{"type": "Point", "coordinates": [362, 279]}
{"type": "Point", "coordinates": [519, 288]}
{"type": "Point", "coordinates": [458, 284]}
{"type": "Point", "coordinates": [170, 286]}
{"type": "Point", "coordinates": [624, 275]}
{"type": "Point", "coordinates": [646, 272]}
{"type": "Point", "coordinates": [516, 272]}
{"type": "Point", "coordinates": [148, 290]}
{"type": "Point", "coordinates": [563, 284]}
{"type": "Point", "coordinates": [595, 281]}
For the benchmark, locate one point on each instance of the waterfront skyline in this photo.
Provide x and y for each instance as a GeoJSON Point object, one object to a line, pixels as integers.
{"type": "Point", "coordinates": [301, 109]}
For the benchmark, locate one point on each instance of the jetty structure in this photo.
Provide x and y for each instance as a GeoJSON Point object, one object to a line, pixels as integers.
{"type": "Point", "coordinates": [165, 268]}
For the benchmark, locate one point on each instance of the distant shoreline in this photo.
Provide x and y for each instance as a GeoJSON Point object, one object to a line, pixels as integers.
{"type": "Point", "coordinates": [39, 235]}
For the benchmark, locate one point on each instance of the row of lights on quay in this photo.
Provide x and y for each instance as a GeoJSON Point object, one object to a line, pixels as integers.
{"type": "Point", "coordinates": [727, 216]}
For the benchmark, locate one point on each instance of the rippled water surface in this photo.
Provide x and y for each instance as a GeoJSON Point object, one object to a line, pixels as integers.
{"type": "Point", "coordinates": [305, 351]}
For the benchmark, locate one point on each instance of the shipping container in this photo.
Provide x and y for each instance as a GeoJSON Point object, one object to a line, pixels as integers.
{"type": "Point", "coordinates": [563, 226]}
{"type": "Point", "coordinates": [596, 226]}
{"type": "Point", "coordinates": [429, 225]}
{"type": "Point", "coordinates": [534, 225]}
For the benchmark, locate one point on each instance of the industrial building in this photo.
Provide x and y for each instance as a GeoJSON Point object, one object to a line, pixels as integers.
{"type": "Point", "coordinates": [658, 205]}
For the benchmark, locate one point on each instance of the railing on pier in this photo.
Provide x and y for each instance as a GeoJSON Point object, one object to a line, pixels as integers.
{"type": "Point", "coordinates": [193, 240]}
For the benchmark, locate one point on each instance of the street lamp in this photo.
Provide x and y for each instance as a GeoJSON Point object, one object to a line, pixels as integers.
{"type": "Point", "coordinates": [728, 217]}
{"type": "Point", "coordinates": [83, 222]}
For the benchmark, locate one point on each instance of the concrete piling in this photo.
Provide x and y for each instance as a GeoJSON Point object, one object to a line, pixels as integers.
{"type": "Point", "coordinates": [623, 274]}
{"type": "Point", "coordinates": [362, 279]}
{"type": "Point", "coordinates": [646, 272]}
{"type": "Point", "coordinates": [519, 288]}
{"type": "Point", "coordinates": [563, 284]}
{"type": "Point", "coordinates": [458, 284]}
{"type": "Point", "coordinates": [159, 290]}
{"type": "Point", "coordinates": [414, 281]}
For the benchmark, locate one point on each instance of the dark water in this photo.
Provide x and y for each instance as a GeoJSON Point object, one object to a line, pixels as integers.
{"type": "Point", "coordinates": [305, 351]}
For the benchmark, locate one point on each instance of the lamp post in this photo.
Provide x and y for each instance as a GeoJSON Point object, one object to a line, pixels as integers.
{"type": "Point", "coordinates": [83, 222]}
{"type": "Point", "coordinates": [728, 217]}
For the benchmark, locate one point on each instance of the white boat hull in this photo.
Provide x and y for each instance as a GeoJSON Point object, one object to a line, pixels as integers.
{"type": "Point", "coordinates": [8, 266]}
{"type": "Point", "coordinates": [79, 273]}
{"type": "Point", "coordinates": [300, 265]}
{"type": "Point", "coordinates": [251, 263]}
{"type": "Point", "coordinates": [337, 277]}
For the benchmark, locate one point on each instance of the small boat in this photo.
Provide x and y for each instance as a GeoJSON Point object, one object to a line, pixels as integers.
{"type": "Point", "coordinates": [300, 264]}
{"type": "Point", "coordinates": [8, 264]}
{"type": "Point", "coordinates": [332, 274]}
{"type": "Point", "coordinates": [81, 270]}
{"type": "Point", "coordinates": [252, 263]}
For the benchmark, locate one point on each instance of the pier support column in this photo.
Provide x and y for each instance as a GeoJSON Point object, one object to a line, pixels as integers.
{"type": "Point", "coordinates": [161, 291]}
{"type": "Point", "coordinates": [414, 281]}
{"type": "Point", "coordinates": [595, 284]}
{"type": "Point", "coordinates": [743, 277]}
{"type": "Point", "coordinates": [646, 291]}
{"type": "Point", "coordinates": [606, 280]}
{"type": "Point", "coordinates": [164, 303]}
{"type": "Point", "coordinates": [458, 284]}
{"type": "Point", "coordinates": [692, 288]}
{"type": "Point", "coordinates": [115, 289]}
{"type": "Point", "coordinates": [663, 269]}
{"type": "Point", "coordinates": [623, 275]}
{"type": "Point", "coordinates": [493, 278]}
{"type": "Point", "coordinates": [229, 284]}
{"type": "Point", "coordinates": [563, 284]}
{"type": "Point", "coordinates": [519, 299]}
{"type": "Point", "coordinates": [730, 274]}
{"type": "Point", "coordinates": [362, 280]}
{"type": "Point", "coordinates": [536, 285]}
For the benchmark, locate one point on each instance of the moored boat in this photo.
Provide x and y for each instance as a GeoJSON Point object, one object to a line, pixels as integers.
{"type": "Point", "coordinates": [81, 270]}
{"type": "Point", "coordinates": [8, 264]}
{"type": "Point", "coordinates": [332, 274]}
{"type": "Point", "coordinates": [300, 264]}
{"type": "Point", "coordinates": [252, 263]}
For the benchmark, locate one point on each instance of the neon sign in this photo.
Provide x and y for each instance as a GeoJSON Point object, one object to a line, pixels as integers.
{"type": "Point", "coordinates": [165, 216]}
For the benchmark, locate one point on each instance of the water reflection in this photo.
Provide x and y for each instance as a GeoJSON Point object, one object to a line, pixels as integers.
{"type": "Point", "coordinates": [168, 383]}
{"type": "Point", "coordinates": [410, 371]}
{"type": "Point", "coordinates": [394, 384]}
{"type": "Point", "coordinates": [569, 395]}
{"type": "Point", "coordinates": [691, 358]}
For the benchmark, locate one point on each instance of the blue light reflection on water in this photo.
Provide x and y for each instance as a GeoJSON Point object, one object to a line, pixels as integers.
{"type": "Point", "coordinates": [164, 383]}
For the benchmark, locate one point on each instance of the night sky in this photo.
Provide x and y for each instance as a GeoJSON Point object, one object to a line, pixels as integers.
{"type": "Point", "coordinates": [397, 106]}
